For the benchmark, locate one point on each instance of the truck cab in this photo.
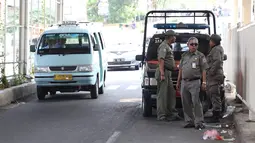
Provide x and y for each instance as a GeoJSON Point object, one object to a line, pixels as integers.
{"type": "Point", "coordinates": [70, 57]}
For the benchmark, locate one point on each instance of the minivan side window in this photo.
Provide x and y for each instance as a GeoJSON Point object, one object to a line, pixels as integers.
{"type": "Point", "coordinates": [101, 39]}
{"type": "Point", "coordinates": [97, 39]}
{"type": "Point", "coordinates": [93, 41]}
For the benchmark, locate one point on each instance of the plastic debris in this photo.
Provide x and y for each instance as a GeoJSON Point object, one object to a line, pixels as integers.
{"type": "Point", "coordinates": [212, 135]}
{"type": "Point", "coordinates": [230, 110]}
{"type": "Point", "coordinates": [215, 135]}
{"type": "Point", "coordinates": [213, 126]}
{"type": "Point", "coordinates": [223, 132]}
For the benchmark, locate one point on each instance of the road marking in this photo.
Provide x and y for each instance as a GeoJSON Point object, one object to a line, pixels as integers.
{"type": "Point", "coordinates": [132, 87]}
{"type": "Point", "coordinates": [113, 87]}
{"type": "Point", "coordinates": [113, 137]}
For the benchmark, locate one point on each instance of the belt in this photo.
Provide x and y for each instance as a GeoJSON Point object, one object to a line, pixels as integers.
{"type": "Point", "coordinates": [191, 79]}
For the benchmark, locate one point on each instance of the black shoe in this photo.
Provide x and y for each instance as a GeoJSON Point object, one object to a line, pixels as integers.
{"type": "Point", "coordinates": [189, 125]}
{"type": "Point", "coordinates": [199, 126]}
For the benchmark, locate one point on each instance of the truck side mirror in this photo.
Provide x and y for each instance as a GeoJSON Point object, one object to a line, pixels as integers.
{"type": "Point", "coordinates": [139, 57]}
{"type": "Point", "coordinates": [32, 48]}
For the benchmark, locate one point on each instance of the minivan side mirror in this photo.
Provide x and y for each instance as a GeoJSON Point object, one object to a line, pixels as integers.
{"type": "Point", "coordinates": [32, 48]}
{"type": "Point", "coordinates": [225, 57]}
{"type": "Point", "coordinates": [139, 57]}
{"type": "Point", "coordinates": [96, 47]}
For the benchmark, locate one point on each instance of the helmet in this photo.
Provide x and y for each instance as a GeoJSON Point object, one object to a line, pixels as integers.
{"type": "Point", "coordinates": [215, 38]}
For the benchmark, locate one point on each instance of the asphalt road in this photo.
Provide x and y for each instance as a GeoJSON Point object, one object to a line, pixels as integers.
{"type": "Point", "coordinates": [115, 117]}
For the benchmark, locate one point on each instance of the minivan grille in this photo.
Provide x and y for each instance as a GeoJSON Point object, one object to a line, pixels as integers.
{"type": "Point", "coordinates": [63, 68]}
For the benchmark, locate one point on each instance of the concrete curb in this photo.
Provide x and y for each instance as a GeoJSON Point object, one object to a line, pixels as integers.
{"type": "Point", "coordinates": [240, 136]}
{"type": "Point", "coordinates": [245, 130]}
{"type": "Point", "coordinates": [17, 92]}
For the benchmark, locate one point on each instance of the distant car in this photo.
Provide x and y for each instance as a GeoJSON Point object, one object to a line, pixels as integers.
{"type": "Point", "coordinates": [122, 55]}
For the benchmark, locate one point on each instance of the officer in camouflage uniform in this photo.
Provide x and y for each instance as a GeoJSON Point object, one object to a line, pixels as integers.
{"type": "Point", "coordinates": [192, 69]}
{"type": "Point", "coordinates": [166, 97]}
{"type": "Point", "coordinates": [215, 76]}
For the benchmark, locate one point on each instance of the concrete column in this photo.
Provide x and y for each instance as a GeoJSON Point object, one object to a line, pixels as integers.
{"type": "Point", "coordinates": [21, 36]}
{"type": "Point", "coordinates": [26, 37]}
{"type": "Point", "coordinates": [60, 10]}
{"type": "Point", "coordinates": [246, 11]}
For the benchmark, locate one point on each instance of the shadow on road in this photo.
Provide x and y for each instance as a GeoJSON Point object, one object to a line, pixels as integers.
{"type": "Point", "coordinates": [121, 69]}
{"type": "Point", "coordinates": [67, 97]}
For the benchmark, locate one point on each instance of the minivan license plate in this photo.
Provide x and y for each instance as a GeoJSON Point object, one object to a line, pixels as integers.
{"type": "Point", "coordinates": [63, 77]}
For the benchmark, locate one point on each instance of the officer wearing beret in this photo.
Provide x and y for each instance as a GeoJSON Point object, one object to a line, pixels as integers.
{"type": "Point", "coordinates": [166, 97]}
{"type": "Point", "coordinates": [215, 76]}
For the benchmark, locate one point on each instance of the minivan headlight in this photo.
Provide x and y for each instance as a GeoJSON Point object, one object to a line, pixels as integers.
{"type": "Point", "coordinates": [85, 68]}
{"type": "Point", "coordinates": [41, 69]}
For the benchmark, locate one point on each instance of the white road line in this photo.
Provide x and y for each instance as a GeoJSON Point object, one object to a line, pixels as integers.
{"type": "Point", "coordinates": [114, 137]}
{"type": "Point", "coordinates": [113, 87]}
{"type": "Point", "coordinates": [132, 87]}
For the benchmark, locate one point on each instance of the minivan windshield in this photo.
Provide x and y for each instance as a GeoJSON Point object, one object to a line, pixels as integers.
{"type": "Point", "coordinates": [64, 43]}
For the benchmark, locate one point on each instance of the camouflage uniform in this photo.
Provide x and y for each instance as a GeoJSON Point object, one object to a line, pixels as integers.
{"type": "Point", "coordinates": [192, 66]}
{"type": "Point", "coordinates": [166, 97]}
{"type": "Point", "coordinates": [215, 76]}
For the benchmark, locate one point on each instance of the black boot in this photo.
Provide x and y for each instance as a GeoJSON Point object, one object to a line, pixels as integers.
{"type": "Point", "coordinates": [215, 118]}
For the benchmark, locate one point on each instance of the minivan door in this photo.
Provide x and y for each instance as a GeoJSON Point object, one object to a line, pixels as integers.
{"type": "Point", "coordinates": [100, 59]}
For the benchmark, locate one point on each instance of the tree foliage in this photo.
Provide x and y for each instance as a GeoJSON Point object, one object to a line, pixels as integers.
{"type": "Point", "coordinates": [121, 11]}
{"type": "Point", "coordinates": [92, 11]}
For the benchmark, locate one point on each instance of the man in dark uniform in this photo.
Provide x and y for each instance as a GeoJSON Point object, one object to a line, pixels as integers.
{"type": "Point", "coordinates": [166, 97]}
{"type": "Point", "coordinates": [215, 76]}
{"type": "Point", "coordinates": [192, 69]}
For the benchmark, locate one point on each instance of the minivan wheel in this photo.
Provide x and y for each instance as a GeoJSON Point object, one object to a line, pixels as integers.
{"type": "Point", "coordinates": [146, 107]}
{"type": "Point", "coordinates": [94, 90]}
{"type": "Point", "coordinates": [101, 89]}
{"type": "Point", "coordinates": [41, 93]}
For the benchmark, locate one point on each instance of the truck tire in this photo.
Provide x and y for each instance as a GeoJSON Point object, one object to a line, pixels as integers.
{"type": "Point", "coordinates": [147, 107]}
{"type": "Point", "coordinates": [94, 90]}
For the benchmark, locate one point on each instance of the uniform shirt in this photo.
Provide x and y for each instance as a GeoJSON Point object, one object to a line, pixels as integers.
{"type": "Point", "coordinates": [192, 65]}
{"type": "Point", "coordinates": [165, 52]}
{"type": "Point", "coordinates": [214, 74]}
{"type": "Point", "coordinates": [215, 61]}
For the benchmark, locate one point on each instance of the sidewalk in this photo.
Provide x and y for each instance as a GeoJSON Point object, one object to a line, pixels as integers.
{"type": "Point", "coordinates": [245, 129]}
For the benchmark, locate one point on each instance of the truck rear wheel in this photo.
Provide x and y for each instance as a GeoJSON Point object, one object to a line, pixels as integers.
{"type": "Point", "coordinates": [147, 107]}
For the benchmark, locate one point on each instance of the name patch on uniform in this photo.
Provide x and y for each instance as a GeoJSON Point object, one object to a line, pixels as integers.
{"type": "Point", "coordinates": [194, 65]}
